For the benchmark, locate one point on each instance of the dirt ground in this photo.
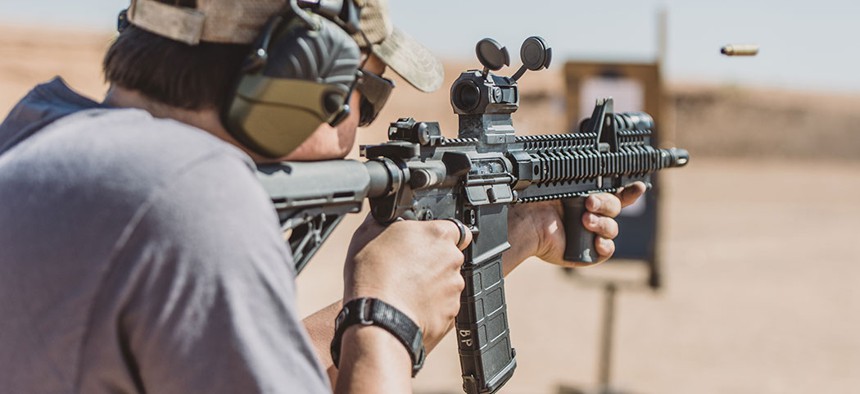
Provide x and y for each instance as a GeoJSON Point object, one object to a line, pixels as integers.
{"type": "Point", "coordinates": [759, 244]}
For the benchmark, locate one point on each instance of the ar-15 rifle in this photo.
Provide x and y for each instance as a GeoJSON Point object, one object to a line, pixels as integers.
{"type": "Point", "coordinates": [421, 175]}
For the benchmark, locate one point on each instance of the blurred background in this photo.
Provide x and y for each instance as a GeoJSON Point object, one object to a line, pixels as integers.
{"type": "Point", "coordinates": [757, 235]}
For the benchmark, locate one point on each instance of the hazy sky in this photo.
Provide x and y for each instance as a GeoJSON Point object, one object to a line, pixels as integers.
{"type": "Point", "coordinates": [804, 44]}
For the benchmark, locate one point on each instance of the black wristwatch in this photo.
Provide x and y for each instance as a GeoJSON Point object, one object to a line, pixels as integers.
{"type": "Point", "coordinates": [374, 312]}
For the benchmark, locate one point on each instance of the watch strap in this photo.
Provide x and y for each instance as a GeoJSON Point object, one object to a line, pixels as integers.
{"type": "Point", "coordinates": [374, 312]}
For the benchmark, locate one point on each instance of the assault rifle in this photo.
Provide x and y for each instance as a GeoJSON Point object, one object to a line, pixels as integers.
{"type": "Point", "coordinates": [421, 175]}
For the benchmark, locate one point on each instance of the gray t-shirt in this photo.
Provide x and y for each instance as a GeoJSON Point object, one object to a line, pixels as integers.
{"type": "Point", "coordinates": [139, 254]}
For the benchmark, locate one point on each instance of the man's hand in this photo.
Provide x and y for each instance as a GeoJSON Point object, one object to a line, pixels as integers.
{"type": "Point", "coordinates": [539, 228]}
{"type": "Point", "coordinates": [412, 265]}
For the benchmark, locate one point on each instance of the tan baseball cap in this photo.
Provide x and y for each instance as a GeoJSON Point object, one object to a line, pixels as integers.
{"type": "Point", "coordinates": [402, 53]}
{"type": "Point", "coordinates": [240, 22]}
{"type": "Point", "coordinates": [217, 21]}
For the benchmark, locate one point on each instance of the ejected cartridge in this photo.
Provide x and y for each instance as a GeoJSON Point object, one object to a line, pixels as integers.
{"type": "Point", "coordinates": [739, 50]}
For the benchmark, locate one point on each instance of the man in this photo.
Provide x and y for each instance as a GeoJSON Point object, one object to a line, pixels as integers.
{"type": "Point", "coordinates": [138, 253]}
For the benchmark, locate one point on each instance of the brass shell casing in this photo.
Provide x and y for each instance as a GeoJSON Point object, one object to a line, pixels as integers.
{"type": "Point", "coordinates": [740, 50]}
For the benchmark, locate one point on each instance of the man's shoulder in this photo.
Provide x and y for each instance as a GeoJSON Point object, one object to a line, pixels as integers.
{"type": "Point", "coordinates": [104, 167]}
{"type": "Point", "coordinates": [133, 134]}
{"type": "Point", "coordinates": [55, 127]}
{"type": "Point", "coordinates": [126, 146]}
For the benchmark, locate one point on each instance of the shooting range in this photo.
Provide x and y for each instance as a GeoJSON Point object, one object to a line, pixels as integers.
{"type": "Point", "coordinates": [751, 248]}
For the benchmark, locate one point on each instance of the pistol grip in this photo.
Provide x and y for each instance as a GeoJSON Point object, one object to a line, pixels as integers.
{"type": "Point", "coordinates": [578, 242]}
{"type": "Point", "coordinates": [487, 359]}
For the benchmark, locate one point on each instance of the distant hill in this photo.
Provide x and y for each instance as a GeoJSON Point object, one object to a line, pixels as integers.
{"type": "Point", "coordinates": [29, 56]}
{"type": "Point", "coordinates": [720, 121]}
{"type": "Point", "coordinates": [742, 122]}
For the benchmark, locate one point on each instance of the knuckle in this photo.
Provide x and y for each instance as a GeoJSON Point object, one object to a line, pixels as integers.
{"type": "Point", "coordinates": [411, 224]}
{"type": "Point", "coordinates": [455, 308]}
{"type": "Point", "coordinates": [593, 202]}
{"type": "Point", "coordinates": [610, 228]}
{"type": "Point", "coordinates": [453, 305]}
{"type": "Point", "coordinates": [459, 283]}
{"type": "Point", "coordinates": [439, 229]}
{"type": "Point", "coordinates": [586, 219]}
{"type": "Point", "coordinates": [397, 226]}
{"type": "Point", "coordinates": [612, 205]}
{"type": "Point", "coordinates": [606, 247]}
{"type": "Point", "coordinates": [456, 259]}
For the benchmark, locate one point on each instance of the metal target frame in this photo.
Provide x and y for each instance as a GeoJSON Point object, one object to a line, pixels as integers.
{"type": "Point", "coordinates": [639, 239]}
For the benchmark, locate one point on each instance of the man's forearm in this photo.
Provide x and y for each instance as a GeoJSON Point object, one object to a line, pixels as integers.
{"type": "Point", "coordinates": [372, 360]}
{"type": "Point", "coordinates": [320, 327]}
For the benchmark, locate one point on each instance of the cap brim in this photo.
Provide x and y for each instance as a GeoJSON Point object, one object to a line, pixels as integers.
{"type": "Point", "coordinates": [411, 60]}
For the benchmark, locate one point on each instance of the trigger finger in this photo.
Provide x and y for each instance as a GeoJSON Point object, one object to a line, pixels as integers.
{"type": "Point", "coordinates": [464, 235]}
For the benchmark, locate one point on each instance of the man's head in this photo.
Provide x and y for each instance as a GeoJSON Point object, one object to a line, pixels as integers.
{"type": "Point", "coordinates": [188, 54]}
{"type": "Point", "coordinates": [385, 47]}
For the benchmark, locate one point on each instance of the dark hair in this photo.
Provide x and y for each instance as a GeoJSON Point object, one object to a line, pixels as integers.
{"type": "Point", "coordinates": [191, 77]}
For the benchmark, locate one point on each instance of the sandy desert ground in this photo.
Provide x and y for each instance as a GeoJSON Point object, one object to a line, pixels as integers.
{"type": "Point", "coordinates": [759, 241]}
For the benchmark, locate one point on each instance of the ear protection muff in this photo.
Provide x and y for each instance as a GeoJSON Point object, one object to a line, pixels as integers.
{"type": "Point", "coordinates": [300, 74]}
